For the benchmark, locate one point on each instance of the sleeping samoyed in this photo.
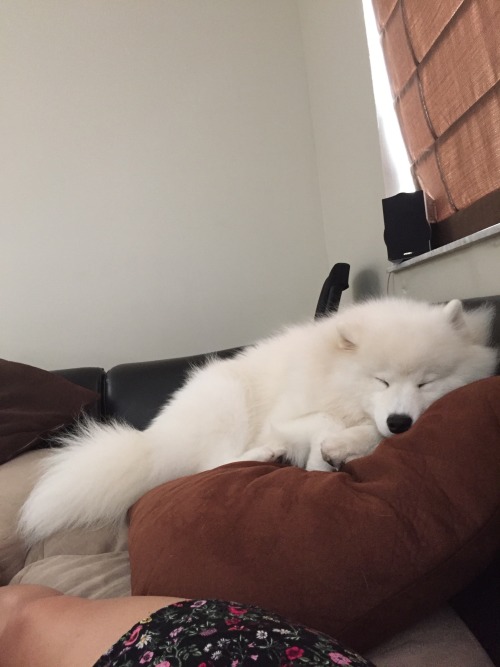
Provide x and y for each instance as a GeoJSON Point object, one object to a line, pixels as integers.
{"type": "Point", "coordinates": [319, 394]}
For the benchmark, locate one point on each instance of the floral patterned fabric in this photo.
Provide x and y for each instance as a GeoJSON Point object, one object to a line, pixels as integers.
{"type": "Point", "coordinates": [212, 633]}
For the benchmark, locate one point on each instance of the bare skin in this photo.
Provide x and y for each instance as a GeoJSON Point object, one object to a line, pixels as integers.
{"type": "Point", "coordinates": [41, 626]}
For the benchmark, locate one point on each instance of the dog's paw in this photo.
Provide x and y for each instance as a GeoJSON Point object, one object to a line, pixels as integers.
{"type": "Point", "coordinates": [271, 454]}
{"type": "Point", "coordinates": [343, 448]}
{"type": "Point", "coordinates": [334, 462]}
{"type": "Point", "coordinates": [317, 463]}
{"type": "Point", "coordinates": [264, 454]}
{"type": "Point", "coordinates": [335, 451]}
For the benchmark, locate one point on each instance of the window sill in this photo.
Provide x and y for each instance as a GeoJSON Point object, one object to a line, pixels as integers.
{"type": "Point", "coordinates": [482, 235]}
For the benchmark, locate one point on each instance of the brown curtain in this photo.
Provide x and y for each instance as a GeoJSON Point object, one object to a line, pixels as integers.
{"type": "Point", "coordinates": [443, 59]}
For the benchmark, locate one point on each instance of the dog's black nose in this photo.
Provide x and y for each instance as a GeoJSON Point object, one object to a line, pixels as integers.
{"type": "Point", "coordinates": [399, 423]}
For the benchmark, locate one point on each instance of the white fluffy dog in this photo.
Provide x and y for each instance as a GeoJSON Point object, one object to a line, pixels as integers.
{"type": "Point", "coordinates": [319, 394]}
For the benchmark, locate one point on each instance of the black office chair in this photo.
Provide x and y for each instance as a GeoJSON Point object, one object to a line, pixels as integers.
{"type": "Point", "coordinates": [332, 289]}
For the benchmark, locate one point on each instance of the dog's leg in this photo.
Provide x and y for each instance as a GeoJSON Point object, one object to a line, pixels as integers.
{"type": "Point", "coordinates": [206, 424]}
{"type": "Point", "coordinates": [315, 461]}
{"type": "Point", "coordinates": [351, 443]}
{"type": "Point", "coordinates": [265, 454]}
{"type": "Point", "coordinates": [294, 439]}
{"type": "Point", "coordinates": [303, 437]}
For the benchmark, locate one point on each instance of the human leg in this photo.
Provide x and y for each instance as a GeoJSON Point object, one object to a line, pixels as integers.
{"type": "Point", "coordinates": [53, 630]}
{"type": "Point", "coordinates": [43, 627]}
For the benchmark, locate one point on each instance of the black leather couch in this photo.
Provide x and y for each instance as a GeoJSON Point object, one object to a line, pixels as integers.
{"type": "Point", "coordinates": [134, 392]}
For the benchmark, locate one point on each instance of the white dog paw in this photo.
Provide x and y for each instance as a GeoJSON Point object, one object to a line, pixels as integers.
{"type": "Point", "coordinates": [270, 454]}
{"type": "Point", "coordinates": [264, 454]}
{"type": "Point", "coordinates": [342, 449]}
{"type": "Point", "coordinates": [351, 443]}
{"type": "Point", "coordinates": [333, 460]}
{"type": "Point", "coordinates": [319, 463]}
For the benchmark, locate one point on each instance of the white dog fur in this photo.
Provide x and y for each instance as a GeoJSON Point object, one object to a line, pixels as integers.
{"type": "Point", "coordinates": [318, 393]}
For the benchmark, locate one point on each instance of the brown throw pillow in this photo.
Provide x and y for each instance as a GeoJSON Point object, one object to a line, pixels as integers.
{"type": "Point", "coordinates": [33, 404]}
{"type": "Point", "coordinates": [359, 554]}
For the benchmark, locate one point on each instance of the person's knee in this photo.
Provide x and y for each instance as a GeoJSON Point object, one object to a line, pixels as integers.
{"type": "Point", "coordinates": [13, 600]}
{"type": "Point", "coordinates": [17, 595]}
{"type": "Point", "coordinates": [15, 606]}
{"type": "Point", "coordinates": [21, 611]}
{"type": "Point", "coordinates": [12, 611]}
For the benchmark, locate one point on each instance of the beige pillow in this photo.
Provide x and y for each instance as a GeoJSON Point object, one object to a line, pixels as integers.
{"type": "Point", "coordinates": [80, 542]}
{"type": "Point", "coordinates": [84, 562]}
{"type": "Point", "coordinates": [90, 563]}
{"type": "Point", "coordinates": [101, 575]}
{"type": "Point", "coordinates": [17, 478]}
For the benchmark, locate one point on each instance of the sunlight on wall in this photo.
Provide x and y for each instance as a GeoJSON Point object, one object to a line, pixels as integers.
{"type": "Point", "coordinates": [395, 163]}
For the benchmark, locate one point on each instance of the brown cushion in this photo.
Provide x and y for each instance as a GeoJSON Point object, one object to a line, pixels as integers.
{"type": "Point", "coordinates": [359, 554]}
{"type": "Point", "coordinates": [33, 404]}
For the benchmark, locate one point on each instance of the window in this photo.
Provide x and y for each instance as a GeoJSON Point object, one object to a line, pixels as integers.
{"type": "Point", "coordinates": [443, 62]}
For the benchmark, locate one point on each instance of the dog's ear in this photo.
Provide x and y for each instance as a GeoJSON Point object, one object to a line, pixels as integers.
{"type": "Point", "coordinates": [454, 312]}
{"type": "Point", "coordinates": [346, 336]}
{"type": "Point", "coordinates": [475, 324]}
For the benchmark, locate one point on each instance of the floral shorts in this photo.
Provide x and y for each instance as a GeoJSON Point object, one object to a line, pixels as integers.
{"type": "Point", "coordinates": [212, 633]}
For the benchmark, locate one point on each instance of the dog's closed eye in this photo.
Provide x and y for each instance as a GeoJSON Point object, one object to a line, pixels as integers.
{"type": "Point", "coordinates": [427, 380]}
{"type": "Point", "coordinates": [384, 382]}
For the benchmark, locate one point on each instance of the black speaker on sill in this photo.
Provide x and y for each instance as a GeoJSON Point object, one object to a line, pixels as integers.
{"type": "Point", "coordinates": [407, 232]}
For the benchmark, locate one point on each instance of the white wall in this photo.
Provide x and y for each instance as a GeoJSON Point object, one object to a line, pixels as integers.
{"type": "Point", "coordinates": [180, 175]}
{"type": "Point", "coordinates": [346, 138]}
{"type": "Point", "coordinates": [159, 187]}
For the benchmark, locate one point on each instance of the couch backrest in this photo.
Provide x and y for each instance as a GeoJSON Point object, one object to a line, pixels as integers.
{"type": "Point", "coordinates": [135, 392]}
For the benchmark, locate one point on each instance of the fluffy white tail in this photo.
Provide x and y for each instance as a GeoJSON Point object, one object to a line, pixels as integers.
{"type": "Point", "coordinates": [98, 473]}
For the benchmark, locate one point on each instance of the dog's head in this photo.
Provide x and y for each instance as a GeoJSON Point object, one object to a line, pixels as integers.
{"type": "Point", "coordinates": [408, 354]}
